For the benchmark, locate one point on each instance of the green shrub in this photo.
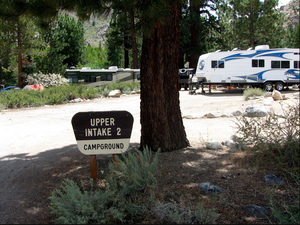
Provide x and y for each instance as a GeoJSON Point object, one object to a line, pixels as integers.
{"type": "Point", "coordinates": [274, 140]}
{"type": "Point", "coordinates": [75, 205]}
{"type": "Point", "coordinates": [59, 94]}
{"type": "Point", "coordinates": [253, 92]}
{"type": "Point", "coordinates": [275, 136]}
{"type": "Point", "coordinates": [179, 213]}
{"type": "Point", "coordinates": [127, 197]}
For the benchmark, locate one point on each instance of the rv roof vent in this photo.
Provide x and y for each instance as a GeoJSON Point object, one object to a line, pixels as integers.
{"type": "Point", "coordinates": [218, 50]}
{"type": "Point", "coordinates": [235, 49]}
{"type": "Point", "coordinates": [113, 68]}
{"type": "Point", "coordinates": [249, 49]}
{"type": "Point", "coordinates": [261, 47]}
{"type": "Point", "coordinates": [86, 68]}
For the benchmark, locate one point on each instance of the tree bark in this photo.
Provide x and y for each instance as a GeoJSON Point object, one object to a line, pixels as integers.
{"type": "Point", "coordinates": [126, 52]}
{"type": "Point", "coordinates": [134, 45]}
{"type": "Point", "coordinates": [195, 31]}
{"type": "Point", "coordinates": [20, 65]}
{"type": "Point", "coordinates": [161, 121]}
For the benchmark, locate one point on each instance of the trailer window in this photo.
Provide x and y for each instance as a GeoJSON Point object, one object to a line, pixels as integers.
{"type": "Point", "coordinates": [258, 63]}
{"type": "Point", "coordinates": [285, 64]}
{"type": "Point", "coordinates": [73, 79]}
{"type": "Point", "coordinates": [275, 64]}
{"type": "Point", "coordinates": [109, 77]}
{"type": "Point", "coordinates": [221, 64]}
{"type": "Point", "coordinates": [217, 64]}
{"type": "Point", "coordinates": [214, 64]}
{"type": "Point", "coordinates": [296, 64]}
{"type": "Point", "coordinates": [280, 64]}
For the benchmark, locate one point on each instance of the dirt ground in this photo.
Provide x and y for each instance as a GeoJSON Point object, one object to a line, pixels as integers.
{"type": "Point", "coordinates": [38, 151]}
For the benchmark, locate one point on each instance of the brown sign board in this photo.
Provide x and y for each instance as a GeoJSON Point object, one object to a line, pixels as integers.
{"type": "Point", "coordinates": [106, 132]}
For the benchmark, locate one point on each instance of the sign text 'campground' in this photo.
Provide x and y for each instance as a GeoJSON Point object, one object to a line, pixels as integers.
{"type": "Point", "coordinates": [102, 132]}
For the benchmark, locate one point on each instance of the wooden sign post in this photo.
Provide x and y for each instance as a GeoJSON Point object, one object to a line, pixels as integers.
{"type": "Point", "coordinates": [106, 132]}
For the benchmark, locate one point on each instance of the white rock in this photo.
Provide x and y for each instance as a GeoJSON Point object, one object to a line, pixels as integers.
{"type": "Point", "coordinates": [276, 95]}
{"type": "Point", "coordinates": [214, 145]}
{"type": "Point", "coordinates": [114, 93]}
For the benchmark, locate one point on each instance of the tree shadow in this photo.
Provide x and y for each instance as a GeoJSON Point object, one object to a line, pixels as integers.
{"type": "Point", "coordinates": [28, 180]}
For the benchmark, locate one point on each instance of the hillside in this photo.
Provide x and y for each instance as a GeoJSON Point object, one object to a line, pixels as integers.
{"type": "Point", "coordinates": [291, 16]}
{"type": "Point", "coordinates": [95, 29]}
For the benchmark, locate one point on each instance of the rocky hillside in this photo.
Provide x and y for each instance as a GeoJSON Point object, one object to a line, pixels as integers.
{"type": "Point", "coordinates": [95, 28]}
{"type": "Point", "coordinates": [291, 13]}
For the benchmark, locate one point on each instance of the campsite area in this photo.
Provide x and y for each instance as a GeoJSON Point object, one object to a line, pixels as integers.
{"type": "Point", "coordinates": [38, 151]}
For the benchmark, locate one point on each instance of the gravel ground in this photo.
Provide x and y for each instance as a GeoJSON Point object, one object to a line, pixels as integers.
{"type": "Point", "coordinates": [38, 146]}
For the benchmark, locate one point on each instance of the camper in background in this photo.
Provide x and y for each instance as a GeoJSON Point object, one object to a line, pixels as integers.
{"type": "Point", "coordinates": [98, 77]}
{"type": "Point", "coordinates": [262, 67]}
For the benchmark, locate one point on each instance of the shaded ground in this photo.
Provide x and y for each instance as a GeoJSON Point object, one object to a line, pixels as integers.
{"type": "Point", "coordinates": [39, 151]}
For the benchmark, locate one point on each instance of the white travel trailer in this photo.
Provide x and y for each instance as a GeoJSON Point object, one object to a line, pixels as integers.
{"type": "Point", "coordinates": [263, 68]}
{"type": "Point", "coordinates": [98, 77]}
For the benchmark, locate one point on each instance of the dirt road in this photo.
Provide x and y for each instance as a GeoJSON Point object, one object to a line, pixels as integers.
{"type": "Point", "coordinates": [37, 144]}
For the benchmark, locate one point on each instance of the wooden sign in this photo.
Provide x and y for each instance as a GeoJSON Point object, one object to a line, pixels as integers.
{"type": "Point", "coordinates": [106, 132]}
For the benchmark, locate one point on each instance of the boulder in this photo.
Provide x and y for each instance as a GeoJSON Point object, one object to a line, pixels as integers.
{"type": "Point", "coordinates": [276, 95]}
{"type": "Point", "coordinates": [214, 145]}
{"type": "Point", "coordinates": [255, 111]}
{"type": "Point", "coordinates": [114, 93]}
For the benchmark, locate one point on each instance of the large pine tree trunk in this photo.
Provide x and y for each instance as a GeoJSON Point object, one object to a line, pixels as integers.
{"type": "Point", "coordinates": [161, 121]}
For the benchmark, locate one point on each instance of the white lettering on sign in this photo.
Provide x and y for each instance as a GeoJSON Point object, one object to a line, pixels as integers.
{"type": "Point", "coordinates": [102, 122]}
{"type": "Point", "coordinates": [97, 132]}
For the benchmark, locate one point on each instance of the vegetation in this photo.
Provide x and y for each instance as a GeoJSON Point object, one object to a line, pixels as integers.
{"type": "Point", "coordinates": [274, 142]}
{"type": "Point", "coordinates": [275, 136]}
{"type": "Point", "coordinates": [253, 92]}
{"type": "Point", "coordinates": [59, 94]}
{"type": "Point", "coordinates": [127, 198]}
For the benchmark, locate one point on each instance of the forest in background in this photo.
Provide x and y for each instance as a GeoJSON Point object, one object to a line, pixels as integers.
{"type": "Point", "coordinates": [103, 41]}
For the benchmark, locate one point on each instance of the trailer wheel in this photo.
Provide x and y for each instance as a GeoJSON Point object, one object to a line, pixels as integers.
{"type": "Point", "coordinates": [279, 86]}
{"type": "Point", "coordinates": [268, 86]}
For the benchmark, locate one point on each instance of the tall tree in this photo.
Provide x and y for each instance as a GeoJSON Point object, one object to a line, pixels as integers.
{"type": "Point", "coordinates": [198, 25]}
{"type": "Point", "coordinates": [125, 18]}
{"type": "Point", "coordinates": [248, 23]}
{"type": "Point", "coordinates": [21, 11]}
{"type": "Point", "coordinates": [161, 121]}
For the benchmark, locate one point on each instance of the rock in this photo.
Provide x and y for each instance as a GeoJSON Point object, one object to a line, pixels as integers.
{"type": "Point", "coordinates": [214, 145]}
{"type": "Point", "coordinates": [255, 111]}
{"type": "Point", "coordinates": [192, 116]}
{"type": "Point", "coordinates": [267, 95]}
{"type": "Point", "coordinates": [271, 178]}
{"type": "Point", "coordinates": [216, 114]}
{"type": "Point", "coordinates": [276, 95]}
{"type": "Point", "coordinates": [256, 210]}
{"type": "Point", "coordinates": [206, 188]}
{"type": "Point", "coordinates": [230, 143]}
{"type": "Point", "coordinates": [114, 93]}
{"type": "Point", "coordinates": [296, 95]}
{"type": "Point", "coordinates": [236, 113]}
{"type": "Point", "coordinates": [268, 101]}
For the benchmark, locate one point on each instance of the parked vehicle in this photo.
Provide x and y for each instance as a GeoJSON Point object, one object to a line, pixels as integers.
{"type": "Point", "coordinates": [98, 77]}
{"type": "Point", "coordinates": [262, 67]}
{"type": "Point", "coordinates": [2, 88]}
{"type": "Point", "coordinates": [183, 76]}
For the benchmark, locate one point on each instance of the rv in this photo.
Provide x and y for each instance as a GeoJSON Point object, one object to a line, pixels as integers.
{"type": "Point", "coordinates": [262, 67]}
{"type": "Point", "coordinates": [98, 77]}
